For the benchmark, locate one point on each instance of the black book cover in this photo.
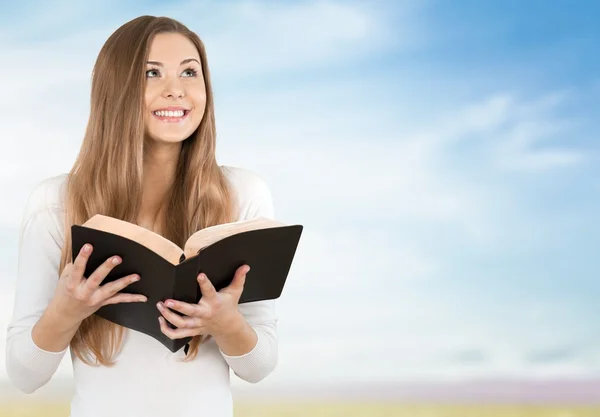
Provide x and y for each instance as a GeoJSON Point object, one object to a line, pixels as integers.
{"type": "Point", "coordinates": [269, 253]}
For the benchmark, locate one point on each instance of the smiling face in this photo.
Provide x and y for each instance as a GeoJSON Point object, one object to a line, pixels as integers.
{"type": "Point", "coordinates": [175, 96]}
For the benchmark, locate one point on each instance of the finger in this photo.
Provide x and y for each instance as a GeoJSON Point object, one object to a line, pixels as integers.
{"type": "Point", "coordinates": [96, 278]}
{"type": "Point", "coordinates": [66, 274]}
{"type": "Point", "coordinates": [192, 310]}
{"type": "Point", "coordinates": [177, 333]}
{"type": "Point", "coordinates": [80, 263]}
{"type": "Point", "coordinates": [206, 287]}
{"type": "Point", "coordinates": [111, 288]}
{"type": "Point", "coordinates": [66, 270]}
{"type": "Point", "coordinates": [237, 283]}
{"type": "Point", "coordinates": [125, 298]}
{"type": "Point", "coordinates": [177, 320]}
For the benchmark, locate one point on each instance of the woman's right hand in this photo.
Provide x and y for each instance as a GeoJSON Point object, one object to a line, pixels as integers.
{"type": "Point", "coordinates": [78, 297]}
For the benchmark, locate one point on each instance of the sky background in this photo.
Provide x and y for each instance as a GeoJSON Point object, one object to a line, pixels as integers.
{"type": "Point", "coordinates": [442, 156]}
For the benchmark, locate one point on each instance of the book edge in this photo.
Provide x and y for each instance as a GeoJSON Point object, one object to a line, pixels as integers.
{"type": "Point", "coordinates": [75, 226]}
{"type": "Point", "coordinates": [206, 232]}
{"type": "Point", "coordinates": [155, 236]}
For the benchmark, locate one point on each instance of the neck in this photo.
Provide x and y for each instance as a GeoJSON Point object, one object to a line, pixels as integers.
{"type": "Point", "coordinates": [160, 165]}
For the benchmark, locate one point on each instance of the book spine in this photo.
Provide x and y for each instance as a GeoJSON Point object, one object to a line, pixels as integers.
{"type": "Point", "coordinates": [186, 287]}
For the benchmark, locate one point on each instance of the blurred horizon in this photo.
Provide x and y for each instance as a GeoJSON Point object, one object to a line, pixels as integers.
{"type": "Point", "coordinates": [442, 156]}
{"type": "Point", "coordinates": [575, 393]}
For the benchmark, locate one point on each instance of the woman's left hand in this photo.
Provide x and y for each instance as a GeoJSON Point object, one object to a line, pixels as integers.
{"type": "Point", "coordinates": [215, 314]}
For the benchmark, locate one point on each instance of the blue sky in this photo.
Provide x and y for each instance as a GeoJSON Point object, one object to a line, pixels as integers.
{"type": "Point", "coordinates": [443, 157]}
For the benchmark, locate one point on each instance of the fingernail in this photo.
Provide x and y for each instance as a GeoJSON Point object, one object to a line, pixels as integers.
{"type": "Point", "coordinates": [86, 248]}
{"type": "Point", "coordinates": [159, 305]}
{"type": "Point", "coordinates": [135, 278]}
{"type": "Point", "coordinates": [116, 260]}
{"type": "Point", "coordinates": [169, 303]}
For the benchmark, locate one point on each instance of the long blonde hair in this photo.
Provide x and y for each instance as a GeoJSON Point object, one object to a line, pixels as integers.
{"type": "Point", "coordinates": [107, 174]}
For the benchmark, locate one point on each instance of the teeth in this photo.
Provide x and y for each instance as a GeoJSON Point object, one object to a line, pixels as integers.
{"type": "Point", "coordinates": [172, 113]}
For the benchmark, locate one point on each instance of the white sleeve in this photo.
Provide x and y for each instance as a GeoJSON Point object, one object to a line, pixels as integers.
{"type": "Point", "coordinates": [28, 366]}
{"type": "Point", "coordinates": [262, 359]}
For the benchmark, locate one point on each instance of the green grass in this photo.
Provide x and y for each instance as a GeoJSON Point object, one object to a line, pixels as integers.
{"type": "Point", "coordinates": [343, 410]}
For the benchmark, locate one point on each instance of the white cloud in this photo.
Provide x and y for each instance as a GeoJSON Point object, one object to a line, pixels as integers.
{"type": "Point", "coordinates": [403, 178]}
{"type": "Point", "coordinates": [261, 37]}
{"type": "Point", "coordinates": [545, 160]}
{"type": "Point", "coordinates": [510, 129]}
{"type": "Point", "coordinates": [266, 37]}
{"type": "Point", "coordinates": [329, 259]}
{"type": "Point", "coordinates": [45, 23]}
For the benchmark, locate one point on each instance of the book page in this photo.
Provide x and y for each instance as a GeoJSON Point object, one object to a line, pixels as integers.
{"type": "Point", "coordinates": [153, 241]}
{"type": "Point", "coordinates": [212, 234]}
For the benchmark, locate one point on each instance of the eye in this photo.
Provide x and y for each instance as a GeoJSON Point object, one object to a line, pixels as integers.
{"type": "Point", "coordinates": [149, 71]}
{"type": "Point", "coordinates": [192, 71]}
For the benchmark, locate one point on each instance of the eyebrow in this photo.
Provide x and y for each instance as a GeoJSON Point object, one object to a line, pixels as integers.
{"type": "Point", "coordinates": [185, 61]}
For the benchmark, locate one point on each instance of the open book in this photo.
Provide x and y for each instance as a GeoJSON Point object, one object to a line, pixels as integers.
{"type": "Point", "coordinates": [168, 271]}
{"type": "Point", "coordinates": [167, 249]}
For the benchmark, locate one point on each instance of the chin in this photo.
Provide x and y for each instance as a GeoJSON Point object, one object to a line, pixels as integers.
{"type": "Point", "coordinates": [168, 138]}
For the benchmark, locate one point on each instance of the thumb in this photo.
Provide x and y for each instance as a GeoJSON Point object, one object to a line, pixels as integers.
{"type": "Point", "coordinates": [237, 284]}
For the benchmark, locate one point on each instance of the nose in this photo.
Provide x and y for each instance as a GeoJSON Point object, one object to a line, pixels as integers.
{"type": "Point", "coordinates": [173, 89]}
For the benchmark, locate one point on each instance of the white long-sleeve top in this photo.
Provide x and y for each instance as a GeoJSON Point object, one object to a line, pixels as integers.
{"type": "Point", "coordinates": [147, 379]}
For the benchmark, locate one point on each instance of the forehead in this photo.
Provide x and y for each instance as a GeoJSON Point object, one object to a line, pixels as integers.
{"type": "Point", "coordinates": [172, 48]}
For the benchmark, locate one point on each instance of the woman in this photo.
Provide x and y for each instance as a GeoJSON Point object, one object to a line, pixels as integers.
{"type": "Point", "coordinates": [148, 157]}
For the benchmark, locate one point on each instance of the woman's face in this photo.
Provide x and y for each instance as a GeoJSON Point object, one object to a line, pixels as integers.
{"type": "Point", "coordinates": [175, 92]}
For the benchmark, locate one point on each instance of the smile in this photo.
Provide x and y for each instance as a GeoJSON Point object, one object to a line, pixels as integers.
{"type": "Point", "coordinates": [171, 116]}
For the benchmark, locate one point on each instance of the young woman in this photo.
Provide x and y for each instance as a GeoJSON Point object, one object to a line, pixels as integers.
{"type": "Point", "coordinates": [148, 157]}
